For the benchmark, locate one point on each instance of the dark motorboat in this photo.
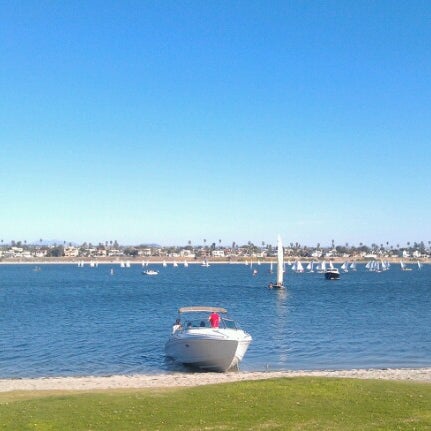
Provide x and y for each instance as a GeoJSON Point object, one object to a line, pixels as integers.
{"type": "Point", "coordinates": [332, 274]}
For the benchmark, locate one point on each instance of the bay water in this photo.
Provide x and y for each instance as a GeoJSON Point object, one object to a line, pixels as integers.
{"type": "Point", "coordinates": [63, 320]}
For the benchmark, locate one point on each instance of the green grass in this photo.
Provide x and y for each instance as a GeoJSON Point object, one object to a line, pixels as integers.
{"type": "Point", "coordinates": [279, 404]}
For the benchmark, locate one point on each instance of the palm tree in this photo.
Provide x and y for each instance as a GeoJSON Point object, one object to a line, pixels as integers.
{"type": "Point", "coordinates": [219, 242]}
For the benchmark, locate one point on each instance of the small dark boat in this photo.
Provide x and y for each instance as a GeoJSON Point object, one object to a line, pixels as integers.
{"type": "Point", "coordinates": [332, 274]}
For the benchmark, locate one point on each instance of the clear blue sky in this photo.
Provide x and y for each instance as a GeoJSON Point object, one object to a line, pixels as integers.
{"type": "Point", "coordinates": [170, 121]}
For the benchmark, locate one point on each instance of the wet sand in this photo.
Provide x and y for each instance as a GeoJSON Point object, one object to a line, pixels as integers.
{"type": "Point", "coordinates": [195, 379]}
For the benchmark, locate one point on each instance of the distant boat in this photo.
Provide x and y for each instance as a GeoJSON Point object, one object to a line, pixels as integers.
{"type": "Point", "coordinates": [280, 267]}
{"type": "Point", "coordinates": [175, 264]}
{"type": "Point", "coordinates": [186, 264]}
{"type": "Point", "coordinates": [310, 266]}
{"type": "Point", "coordinates": [205, 263]}
{"type": "Point", "coordinates": [404, 267]}
{"type": "Point", "coordinates": [332, 274]}
{"type": "Point", "coordinates": [270, 267]}
{"type": "Point", "coordinates": [385, 265]}
{"type": "Point", "coordinates": [150, 272]}
{"type": "Point", "coordinates": [419, 265]}
{"type": "Point", "coordinates": [297, 267]}
{"type": "Point", "coordinates": [127, 264]}
{"type": "Point", "coordinates": [112, 271]}
{"type": "Point", "coordinates": [164, 263]}
{"type": "Point", "coordinates": [345, 266]}
{"type": "Point", "coordinates": [353, 266]}
{"type": "Point", "coordinates": [321, 267]}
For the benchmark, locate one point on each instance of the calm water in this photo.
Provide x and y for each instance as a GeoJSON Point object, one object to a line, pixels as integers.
{"type": "Point", "coordinates": [65, 320]}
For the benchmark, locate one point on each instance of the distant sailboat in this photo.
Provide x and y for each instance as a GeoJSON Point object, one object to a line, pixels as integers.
{"type": "Point", "coordinates": [175, 264]}
{"type": "Point", "coordinates": [404, 267]}
{"type": "Point", "coordinates": [186, 264]}
{"type": "Point", "coordinates": [270, 267]}
{"type": "Point", "coordinates": [310, 266]}
{"type": "Point", "coordinates": [353, 266]}
{"type": "Point", "coordinates": [345, 266]}
{"type": "Point", "coordinates": [280, 265]}
{"type": "Point", "coordinates": [419, 265]}
{"type": "Point", "coordinates": [321, 268]}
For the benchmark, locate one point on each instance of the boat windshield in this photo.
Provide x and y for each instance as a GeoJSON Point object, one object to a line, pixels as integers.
{"type": "Point", "coordinates": [225, 323]}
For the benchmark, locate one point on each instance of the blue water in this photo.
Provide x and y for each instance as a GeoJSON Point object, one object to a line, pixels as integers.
{"type": "Point", "coordinates": [65, 320]}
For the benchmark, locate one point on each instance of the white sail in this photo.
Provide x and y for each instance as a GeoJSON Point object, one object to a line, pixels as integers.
{"type": "Point", "coordinates": [419, 265]}
{"type": "Point", "coordinates": [353, 266]}
{"type": "Point", "coordinates": [299, 267]}
{"type": "Point", "coordinates": [280, 263]}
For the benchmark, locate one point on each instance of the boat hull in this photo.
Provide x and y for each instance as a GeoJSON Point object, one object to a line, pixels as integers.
{"type": "Point", "coordinates": [212, 350]}
{"type": "Point", "coordinates": [329, 275]}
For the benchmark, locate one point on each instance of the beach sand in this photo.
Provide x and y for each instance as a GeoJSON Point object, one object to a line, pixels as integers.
{"type": "Point", "coordinates": [194, 379]}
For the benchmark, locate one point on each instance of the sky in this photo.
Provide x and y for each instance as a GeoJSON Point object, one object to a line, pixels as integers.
{"type": "Point", "coordinates": [174, 121]}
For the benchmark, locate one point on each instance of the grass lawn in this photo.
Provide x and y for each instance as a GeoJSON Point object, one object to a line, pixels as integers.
{"type": "Point", "coordinates": [281, 404]}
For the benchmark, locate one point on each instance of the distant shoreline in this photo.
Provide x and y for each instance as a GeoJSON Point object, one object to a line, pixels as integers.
{"type": "Point", "coordinates": [180, 261]}
{"type": "Point", "coordinates": [141, 381]}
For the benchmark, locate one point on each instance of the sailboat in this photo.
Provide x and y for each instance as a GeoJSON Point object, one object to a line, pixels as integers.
{"type": "Point", "coordinates": [345, 266]}
{"type": "Point", "coordinates": [280, 265]}
{"type": "Point", "coordinates": [404, 267]}
{"type": "Point", "coordinates": [419, 265]}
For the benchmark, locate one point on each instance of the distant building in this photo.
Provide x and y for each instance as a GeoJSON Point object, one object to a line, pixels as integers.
{"type": "Point", "coordinates": [218, 253]}
{"type": "Point", "coordinates": [71, 251]}
{"type": "Point", "coordinates": [187, 253]}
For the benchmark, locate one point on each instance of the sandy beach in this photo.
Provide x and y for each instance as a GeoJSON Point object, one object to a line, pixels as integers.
{"type": "Point", "coordinates": [195, 379]}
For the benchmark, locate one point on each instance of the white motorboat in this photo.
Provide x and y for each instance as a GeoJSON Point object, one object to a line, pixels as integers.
{"type": "Point", "coordinates": [199, 342]}
{"type": "Point", "coordinates": [150, 272]}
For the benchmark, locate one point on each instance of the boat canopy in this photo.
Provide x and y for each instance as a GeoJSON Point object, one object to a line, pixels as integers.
{"type": "Point", "coordinates": [202, 308]}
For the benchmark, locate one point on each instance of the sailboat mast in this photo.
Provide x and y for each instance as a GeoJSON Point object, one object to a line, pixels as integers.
{"type": "Point", "coordinates": [279, 262]}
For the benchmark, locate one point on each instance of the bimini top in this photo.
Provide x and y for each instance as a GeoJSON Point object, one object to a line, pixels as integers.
{"type": "Point", "coordinates": [202, 308]}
